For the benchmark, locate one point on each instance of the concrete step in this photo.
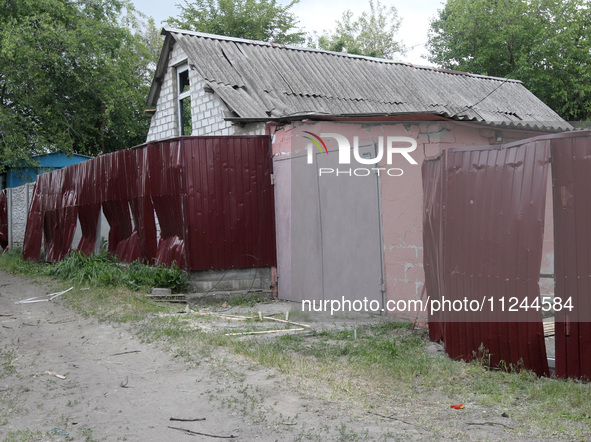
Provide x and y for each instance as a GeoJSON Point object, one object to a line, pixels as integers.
{"type": "Point", "coordinates": [230, 280]}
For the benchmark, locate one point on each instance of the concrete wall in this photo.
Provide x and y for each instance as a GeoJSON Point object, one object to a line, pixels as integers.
{"type": "Point", "coordinates": [401, 196]}
{"type": "Point", "coordinates": [207, 109]}
{"type": "Point", "coordinates": [18, 201]}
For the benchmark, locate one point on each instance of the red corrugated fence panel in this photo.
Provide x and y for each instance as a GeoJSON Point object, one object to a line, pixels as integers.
{"type": "Point", "coordinates": [89, 206]}
{"type": "Point", "coordinates": [165, 185]}
{"type": "Point", "coordinates": [571, 172]}
{"type": "Point", "coordinates": [60, 214]}
{"type": "Point", "coordinates": [33, 229]}
{"type": "Point", "coordinates": [228, 202]}
{"type": "Point", "coordinates": [432, 173]}
{"type": "Point", "coordinates": [136, 166]}
{"type": "Point", "coordinates": [115, 204]}
{"type": "Point", "coordinates": [494, 199]}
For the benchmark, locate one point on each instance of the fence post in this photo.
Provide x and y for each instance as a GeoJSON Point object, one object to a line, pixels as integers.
{"type": "Point", "coordinates": [27, 202]}
{"type": "Point", "coordinates": [9, 209]}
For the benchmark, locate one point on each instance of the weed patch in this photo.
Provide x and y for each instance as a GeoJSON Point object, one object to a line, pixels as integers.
{"type": "Point", "coordinates": [7, 357]}
{"type": "Point", "coordinates": [99, 270]}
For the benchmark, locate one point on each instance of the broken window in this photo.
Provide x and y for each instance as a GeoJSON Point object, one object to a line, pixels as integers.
{"type": "Point", "coordinates": [184, 101]}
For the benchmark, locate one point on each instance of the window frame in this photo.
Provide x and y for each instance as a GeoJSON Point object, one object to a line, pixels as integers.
{"type": "Point", "coordinates": [181, 96]}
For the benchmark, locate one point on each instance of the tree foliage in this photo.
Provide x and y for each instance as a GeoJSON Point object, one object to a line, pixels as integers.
{"type": "Point", "coordinates": [372, 34]}
{"type": "Point", "coordinates": [73, 77]}
{"type": "Point", "coordinates": [544, 43]}
{"type": "Point", "coordinates": [264, 20]}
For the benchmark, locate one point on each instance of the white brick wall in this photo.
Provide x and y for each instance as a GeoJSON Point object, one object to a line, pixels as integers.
{"type": "Point", "coordinates": [207, 109]}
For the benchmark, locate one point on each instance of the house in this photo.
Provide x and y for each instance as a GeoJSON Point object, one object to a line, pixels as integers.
{"type": "Point", "coordinates": [18, 174]}
{"type": "Point", "coordinates": [348, 136]}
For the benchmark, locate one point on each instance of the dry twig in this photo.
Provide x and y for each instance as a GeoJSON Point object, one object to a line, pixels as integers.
{"type": "Point", "coordinates": [489, 423]}
{"type": "Point", "coordinates": [196, 433]}
{"type": "Point", "coordinates": [178, 419]}
{"type": "Point", "coordinates": [126, 352]}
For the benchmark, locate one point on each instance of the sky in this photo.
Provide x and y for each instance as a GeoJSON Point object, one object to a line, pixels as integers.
{"type": "Point", "coordinates": [318, 16]}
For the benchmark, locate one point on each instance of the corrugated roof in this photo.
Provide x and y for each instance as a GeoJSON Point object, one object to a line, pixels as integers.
{"type": "Point", "coordinates": [261, 81]}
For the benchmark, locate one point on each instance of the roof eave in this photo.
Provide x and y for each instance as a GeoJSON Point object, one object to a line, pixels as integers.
{"type": "Point", "coordinates": [317, 116]}
{"type": "Point", "coordinates": [161, 69]}
{"type": "Point", "coordinates": [410, 116]}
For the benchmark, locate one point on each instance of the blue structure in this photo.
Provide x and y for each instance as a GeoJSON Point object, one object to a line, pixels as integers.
{"type": "Point", "coordinates": [17, 175]}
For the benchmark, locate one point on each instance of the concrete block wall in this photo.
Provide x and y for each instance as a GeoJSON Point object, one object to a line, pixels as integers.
{"type": "Point", "coordinates": [207, 109]}
{"type": "Point", "coordinates": [18, 201]}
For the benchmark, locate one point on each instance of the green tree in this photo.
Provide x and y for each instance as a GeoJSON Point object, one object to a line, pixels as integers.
{"type": "Point", "coordinates": [152, 40]}
{"type": "Point", "coordinates": [372, 34]}
{"type": "Point", "coordinates": [252, 19]}
{"type": "Point", "coordinates": [73, 77]}
{"type": "Point", "coordinates": [544, 43]}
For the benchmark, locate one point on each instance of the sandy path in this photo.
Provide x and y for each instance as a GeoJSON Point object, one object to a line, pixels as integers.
{"type": "Point", "coordinates": [131, 396]}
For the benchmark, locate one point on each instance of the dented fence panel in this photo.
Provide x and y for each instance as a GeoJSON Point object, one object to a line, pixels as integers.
{"type": "Point", "coordinates": [89, 205]}
{"type": "Point", "coordinates": [141, 205]}
{"type": "Point", "coordinates": [60, 213]}
{"type": "Point", "coordinates": [212, 198]}
{"type": "Point", "coordinates": [62, 203]}
{"type": "Point", "coordinates": [571, 171]}
{"type": "Point", "coordinates": [493, 249]}
{"type": "Point", "coordinates": [165, 167]}
{"type": "Point", "coordinates": [433, 199]}
{"type": "Point", "coordinates": [492, 208]}
{"type": "Point", "coordinates": [33, 229]}
{"type": "Point", "coordinates": [115, 203]}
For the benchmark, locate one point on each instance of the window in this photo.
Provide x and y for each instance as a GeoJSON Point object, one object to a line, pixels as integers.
{"type": "Point", "coordinates": [184, 100]}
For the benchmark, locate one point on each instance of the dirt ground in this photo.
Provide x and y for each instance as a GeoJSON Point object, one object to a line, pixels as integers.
{"type": "Point", "coordinates": [67, 377]}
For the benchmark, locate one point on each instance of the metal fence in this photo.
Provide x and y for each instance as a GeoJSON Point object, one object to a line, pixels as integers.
{"type": "Point", "coordinates": [483, 229]}
{"type": "Point", "coordinates": [211, 199]}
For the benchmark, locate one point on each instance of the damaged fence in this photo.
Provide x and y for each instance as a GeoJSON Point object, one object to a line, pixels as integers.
{"type": "Point", "coordinates": [483, 227]}
{"type": "Point", "coordinates": [200, 202]}
{"type": "Point", "coordinates": [485, 240]}
{"type": "Point", "coordinates": [571, 174]}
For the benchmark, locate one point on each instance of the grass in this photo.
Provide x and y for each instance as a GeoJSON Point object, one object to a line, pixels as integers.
{"type": "Point", "coordinates": [22, 436]}
{"type": "Point", "coordinates": [7, 357]}
{"type": "Point", "coordinates": [99, 270]}
{"type": "Point", "coordinates": [247, 300]}
{"type": "Point", "coordinates": [377, 366]}
{"type": "Point", "coordinates": [8, 401]}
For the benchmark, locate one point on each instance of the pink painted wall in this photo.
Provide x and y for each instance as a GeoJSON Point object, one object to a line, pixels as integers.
{"type": "Point", "coordinates": [401, 196]}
